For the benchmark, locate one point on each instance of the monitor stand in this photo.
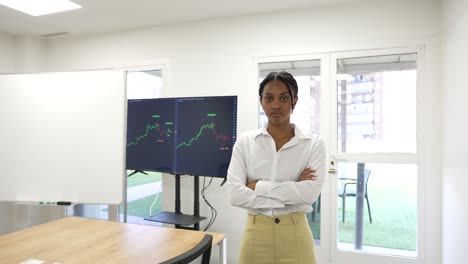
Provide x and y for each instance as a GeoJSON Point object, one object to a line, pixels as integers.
{"type": "Point", "coordinates": [177, 218]}
{"type": "Point", "coordinates": [224, 181]}
{"type": "Point", "coordinates": [135, 172]}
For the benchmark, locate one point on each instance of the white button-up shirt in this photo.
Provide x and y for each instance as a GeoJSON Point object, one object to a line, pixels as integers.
{"type": "Point", "coordinates": [278, 190]}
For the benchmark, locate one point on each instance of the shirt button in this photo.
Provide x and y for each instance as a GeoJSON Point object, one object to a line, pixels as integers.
{"type": "Point", "coordinates": [277, 220]}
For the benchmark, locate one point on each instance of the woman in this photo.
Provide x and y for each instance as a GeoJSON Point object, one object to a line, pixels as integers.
{"type": "Point", "coordinates": [276, 173]}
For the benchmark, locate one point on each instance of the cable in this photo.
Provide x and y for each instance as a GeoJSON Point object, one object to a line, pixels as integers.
{"type": "Point", "coordinates": [214, 213]}
{"type": "Point", "coordinates": [213, 210]}
{"type": "Point", "coordinates": [156, 198]}
{"type": "Point", "coordinates": [202, 192]}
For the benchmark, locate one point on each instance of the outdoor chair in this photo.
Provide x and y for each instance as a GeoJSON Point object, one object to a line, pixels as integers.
{"type": "Point", "coordinates": [351, 192]}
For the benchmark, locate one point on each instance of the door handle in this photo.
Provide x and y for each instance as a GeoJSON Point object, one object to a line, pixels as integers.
{"type": "Point", "coordinates": [331, 171]}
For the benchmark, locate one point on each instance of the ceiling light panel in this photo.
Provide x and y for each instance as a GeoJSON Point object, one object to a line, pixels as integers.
{"type": "Point", "coordinates": [42, 7]}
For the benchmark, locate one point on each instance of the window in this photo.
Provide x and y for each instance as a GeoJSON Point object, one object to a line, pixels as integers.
{"type": "Point", "coordinates": [376, 154]}
{"type": "Point", "coordinates": [144, 84]}
{"type": "Point", "coordinates": [376, 99]}
{"type": "Point", "coordinates": [307, 111]}
{"type": "Point", "coordinates": [144, 189]}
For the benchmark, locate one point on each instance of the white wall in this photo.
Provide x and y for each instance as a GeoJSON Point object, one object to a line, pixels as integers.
{"type": "Point", "coordinates": [455, 131]}
{"type": "Point", "coordinates": [7, 65]}
{"type": "Point", "coordinates": [30, 54]}
{"type": "Point", "coordinates": [216, 58]}
{"type": "Point", "coordinates": [22, 54]}
{"type": "Point", "coordinates": [7, 53]}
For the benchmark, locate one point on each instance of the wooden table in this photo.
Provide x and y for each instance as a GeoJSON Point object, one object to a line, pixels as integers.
{"type": "Point", "coordinates": [80, 240]}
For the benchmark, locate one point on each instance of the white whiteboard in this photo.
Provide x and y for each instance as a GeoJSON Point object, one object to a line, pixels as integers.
{"type": "Point", "coordinates": [62, 137]}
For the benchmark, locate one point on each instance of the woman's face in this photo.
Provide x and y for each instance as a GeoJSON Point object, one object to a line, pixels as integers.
{"type": "Point", "coordinates": [276, 102]}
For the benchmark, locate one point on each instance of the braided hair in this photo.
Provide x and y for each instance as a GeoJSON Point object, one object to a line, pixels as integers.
{"type": "Point", "coordinates": [284, 77]}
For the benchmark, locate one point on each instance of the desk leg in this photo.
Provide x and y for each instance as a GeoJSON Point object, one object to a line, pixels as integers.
{"type": "Point", "coordinates": [223, 251]}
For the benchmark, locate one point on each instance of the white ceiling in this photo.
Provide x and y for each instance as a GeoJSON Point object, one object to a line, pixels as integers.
{"type": "Point", "coordinates": [99, 16]}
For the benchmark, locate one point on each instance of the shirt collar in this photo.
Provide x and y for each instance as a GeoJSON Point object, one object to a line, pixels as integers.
{"type": "Point", "coordinates": [299, 134]}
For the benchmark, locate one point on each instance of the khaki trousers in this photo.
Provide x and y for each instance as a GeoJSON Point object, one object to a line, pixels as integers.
{"type": "Point", "coordinates": [285, 239]}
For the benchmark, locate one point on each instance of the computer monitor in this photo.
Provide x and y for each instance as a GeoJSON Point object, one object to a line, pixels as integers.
{"type": "Point", "coordinates": [183, 135]}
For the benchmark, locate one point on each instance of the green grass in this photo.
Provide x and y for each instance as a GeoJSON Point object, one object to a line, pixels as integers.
{"type": "Point", "coordinates": [389, 229]}
{"type": "Point", "coordinates": [141, 207]}
{"type": "Point", "coordinates": [394, 215]}
{"type": "Point", "coordinates": [140, 178]}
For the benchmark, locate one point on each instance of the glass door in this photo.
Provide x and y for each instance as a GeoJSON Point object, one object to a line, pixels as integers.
{"type": "Point", "coordinates": [375, 153]}
{"type": "Point", "coordinates": [144, 188]}
{"type": "Point", "coordinates": [308, 114]}
{"type": "Point", "coordinates": [364, 104]}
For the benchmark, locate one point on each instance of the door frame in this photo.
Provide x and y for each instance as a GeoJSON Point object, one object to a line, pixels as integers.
{"type": "Point", "coordinates": [346, 256]}
{"type": "Point", "coordinates": [327, 252]}
{"type": "Point", "coordinates": [322, 250]}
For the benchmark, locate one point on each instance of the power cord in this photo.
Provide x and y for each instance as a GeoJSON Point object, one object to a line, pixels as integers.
{"type": "Point", "coordinates": [155, 198]}
{"type": "Point", "coordinates": [214, 213]}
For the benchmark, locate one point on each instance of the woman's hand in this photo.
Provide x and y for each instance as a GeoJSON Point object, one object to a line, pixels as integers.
{"type": "Point", "coordinates": [308, 175]}
{"type": "Point", "coordinates": [251, 184]}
